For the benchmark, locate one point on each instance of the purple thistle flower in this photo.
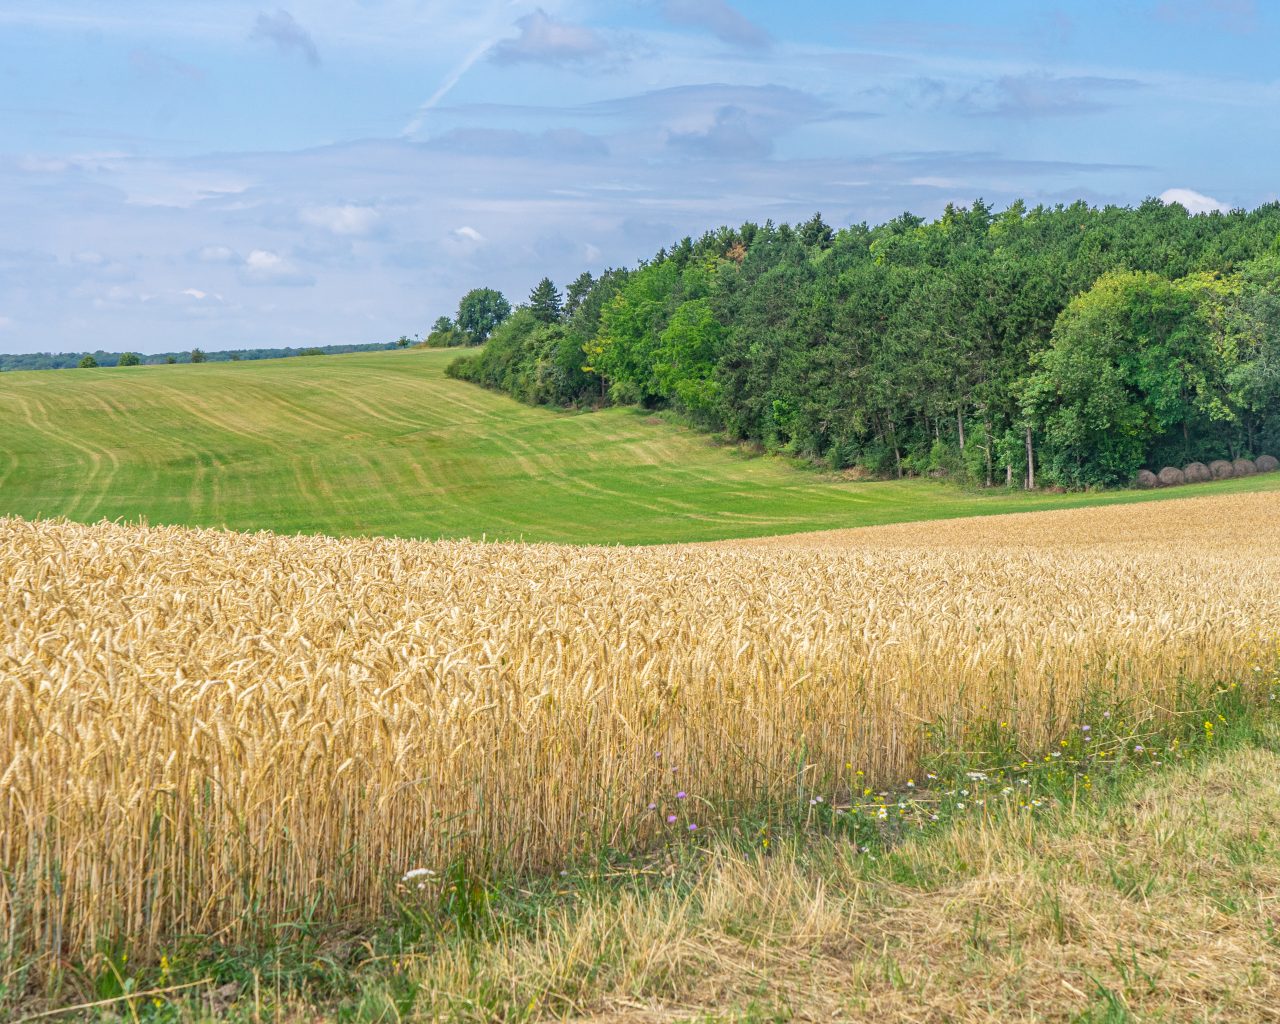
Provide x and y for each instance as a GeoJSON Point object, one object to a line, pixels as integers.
{"type": "Point", "coordinates": [653, 807]}
{"type": "Point", "coordinates": [671, 819]}
{"type": "Point", "coordinates": [681, 795]}
{"type": "Point", "coordinates": [693, 827]}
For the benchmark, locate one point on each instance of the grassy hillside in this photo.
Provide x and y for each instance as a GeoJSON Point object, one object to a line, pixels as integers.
{"type": "Point", "coordinates": [384, 443]}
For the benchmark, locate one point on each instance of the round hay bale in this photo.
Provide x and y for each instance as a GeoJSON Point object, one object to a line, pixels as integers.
{"type": "Point", "coordinates": [1146, 480]}
{"type": "Point", "coordinates": [1197, 473]}
{"type": "Point", "coordinates": [1244, 467]}
{"type": "Point", "coordinates": [1267, 463]}
{"type": "Point", "coordinates": [1222, 469]}
{"type": "Point", "coordinates": [1171, 476]}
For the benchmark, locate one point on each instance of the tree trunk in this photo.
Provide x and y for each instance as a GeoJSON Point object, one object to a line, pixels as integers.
{"type": "Point", "coordinates": [1031, 463]}
{"type": "Point", "coordinates": [1008, 476]}
{"type": "Point", "coordinates": [986, 429]}
{"type": "Point", "coordinates": [960, 426]}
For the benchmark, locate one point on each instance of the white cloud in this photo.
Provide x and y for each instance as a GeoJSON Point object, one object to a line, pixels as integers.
{"type": "Point", "coordinates": [547, 40]}
{"type": "Point", "coordinates": [469, 233]}
{"type": "Point", "coordinates": [343, 220]}
{"type": "Point", "coordinates": [262, 266]}
{"type": "Point", "coordinates": [216, 254]}
{"type": "Point", "coordinates": [1192, 201]}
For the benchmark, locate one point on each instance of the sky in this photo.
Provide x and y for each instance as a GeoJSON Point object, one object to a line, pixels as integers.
{"type": "Point", "coordinates": [220, 174]}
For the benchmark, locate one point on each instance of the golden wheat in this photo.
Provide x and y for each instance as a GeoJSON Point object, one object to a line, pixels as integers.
{"type": "Point", "coordinates": [206, 730]}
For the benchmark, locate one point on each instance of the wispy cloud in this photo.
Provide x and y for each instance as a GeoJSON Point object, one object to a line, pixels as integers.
{"type": "Point", "coordinates": [1039, 94]}
{"type": "Point", "coordinates": [543, 39]}
{"type": "Point", "coordinates": [555, 143]}
{"type": "Point", "coordinates": [717, 17]}
{"type": "Point", "coordinates": [287, 35]}
{"type": "Point", "coordinates": [350, 220]}
{"type": "Point", "coordinates": [1238, 16]}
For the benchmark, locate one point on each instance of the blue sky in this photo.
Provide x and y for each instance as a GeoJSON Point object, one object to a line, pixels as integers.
{"type": "Point", "coordinates": [228, 174]}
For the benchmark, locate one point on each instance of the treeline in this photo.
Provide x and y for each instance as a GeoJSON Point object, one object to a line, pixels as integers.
{"type": "Point", "coordinates": [1068, 345]}
{"type": "Point", "coordinates": [90, 360]}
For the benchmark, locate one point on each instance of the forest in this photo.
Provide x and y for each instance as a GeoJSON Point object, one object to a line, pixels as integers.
{"type": "Point", "coordinates": [93, 360]}
{"type": "Point", "coordinates": [1068, 345]}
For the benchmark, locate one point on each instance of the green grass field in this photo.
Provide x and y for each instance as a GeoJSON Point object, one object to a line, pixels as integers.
{"type": "Point", "coordinates": [384, 443]}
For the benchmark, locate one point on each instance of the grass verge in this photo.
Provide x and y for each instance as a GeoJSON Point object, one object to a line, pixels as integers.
{"type": "Point", "coordinates": [1132, 873]}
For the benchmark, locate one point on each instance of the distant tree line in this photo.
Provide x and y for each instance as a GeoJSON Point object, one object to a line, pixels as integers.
{"type": "Point", "coordinates": [92, 360]}
{"type": "Point", "coordinates": [1064, 345]}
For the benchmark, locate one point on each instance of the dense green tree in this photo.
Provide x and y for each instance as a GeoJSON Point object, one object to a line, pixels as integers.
{"type": "Point", "coordinates": [479, 312]}
{"type": "Point", "coordinates": [445, 334]}
{"type": "Point", "coordinates": [198, 356]}
{"type": "Point", "coordinates": [1064, 344]}
{"type": "Point", "coordinates": [577, 291]}
{"type": "Point", "coordinates": [128, 359]}
{"type": "Point", "coordinates": [545, 301]}
{"type": "Point", "coordinates": [88, 363]}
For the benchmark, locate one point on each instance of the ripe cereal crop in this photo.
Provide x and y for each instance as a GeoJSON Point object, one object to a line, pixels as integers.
{"type": "Point", "coordinates": [205, 732]}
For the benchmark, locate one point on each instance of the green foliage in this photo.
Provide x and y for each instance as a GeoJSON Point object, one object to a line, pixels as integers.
{"type": "Point", "coordinates": [1119, 337]}
{"type": "Point", "coordinates": [88, 363]}
{"type": "Point", "coordinates": [198, 356]}
{"type": "Point", "coordinates": [59, 361]}
{"type": "Point", "coordinates": [545, 302]}
{"type": "Point", "coordinates": [479, 312]}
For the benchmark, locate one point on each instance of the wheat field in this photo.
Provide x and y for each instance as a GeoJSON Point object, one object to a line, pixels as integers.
{"type": "Point", "coordinates": [207, 732]}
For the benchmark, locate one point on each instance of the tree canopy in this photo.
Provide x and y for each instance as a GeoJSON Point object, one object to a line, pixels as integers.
{"type": "Point", "coordinates": [1092, 341]}
{"type": "Point", "coordinates": [479, 312]}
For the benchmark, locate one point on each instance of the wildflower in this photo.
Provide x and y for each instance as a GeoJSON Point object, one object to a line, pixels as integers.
{"type": "Point", "coordinates": [681, 795]}
{"type": "Point", "coordinates": [1139, 749]}
{"type": "Point", "coordinates": [693, 827]}
{"type": "Point", "coordinates": [671, 819]}
{"type": "Point", "coordinates": [1085, 728]}
{"type": "Point", "coordinates": [975, 776]}
{"type": "Point", "coordinates": [409, 876]}
{"type": "Point", "coordinates": [911, 783]}
{"type": "Point", "coordinates": [653, 807]}
{"type": "Point", "coordinates": [959, 805]}
{"type": "Point", "coordinates": [882, 814]}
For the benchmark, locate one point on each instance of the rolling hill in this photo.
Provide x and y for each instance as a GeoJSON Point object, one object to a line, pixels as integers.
{"type": "Point", "coordinates": [384, 443]}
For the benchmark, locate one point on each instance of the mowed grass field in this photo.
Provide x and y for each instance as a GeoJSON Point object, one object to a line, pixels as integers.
{"type": "Point", "coordinates": [384, 443]}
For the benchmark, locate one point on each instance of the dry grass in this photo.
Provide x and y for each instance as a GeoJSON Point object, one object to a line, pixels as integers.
{"type": "Point", "coordinates": [1166, 908]}
{"type": "Point", "coordinates": [204, 731]}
